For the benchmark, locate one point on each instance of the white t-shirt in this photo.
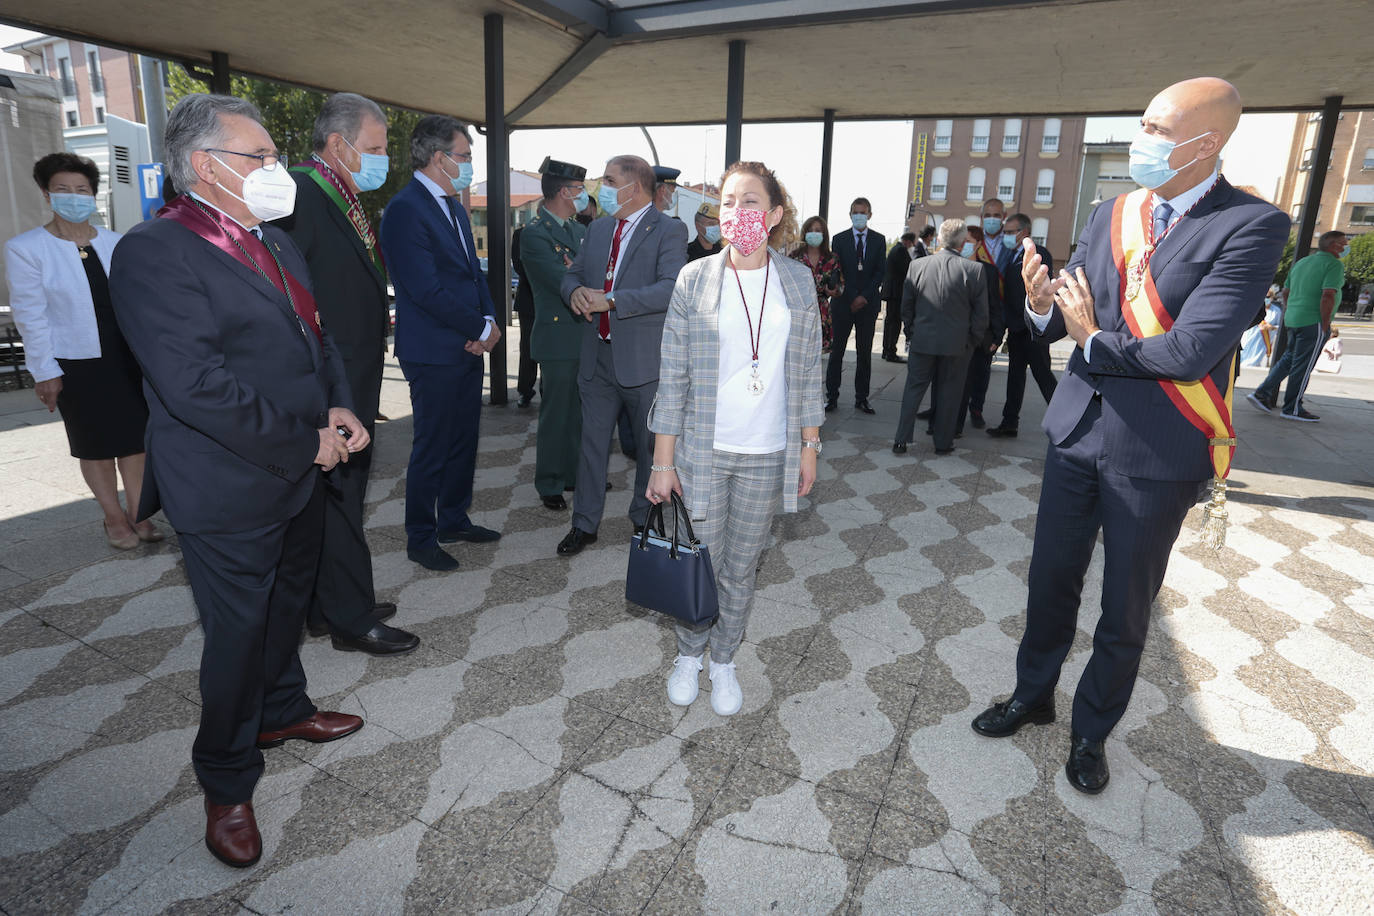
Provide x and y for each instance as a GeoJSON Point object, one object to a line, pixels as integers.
{"type": "Point", "coordinates": [747, 423]}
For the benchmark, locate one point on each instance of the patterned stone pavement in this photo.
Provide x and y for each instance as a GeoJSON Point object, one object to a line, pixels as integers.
{"type": "Point", "coordinates": [526, 760]}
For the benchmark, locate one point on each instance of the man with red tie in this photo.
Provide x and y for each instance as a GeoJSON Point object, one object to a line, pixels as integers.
{"type": "Point", "coordinates": [620, 283]}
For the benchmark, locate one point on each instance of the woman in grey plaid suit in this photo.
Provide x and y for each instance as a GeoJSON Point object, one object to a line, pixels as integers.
{"type": "Point", "coordinates": [738, 412]}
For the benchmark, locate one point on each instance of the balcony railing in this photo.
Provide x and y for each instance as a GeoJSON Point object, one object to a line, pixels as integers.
{"type": "Point", "coordinates": [1011, 144]}
{"type": "Point", "coordinates": [97, 83]}
{"type": "Point", "coordinates": [980, 144]}
{"type": "Point", "coordinates": [1049, 145]}
{"type": "Point", "coordinates": [68, 87]}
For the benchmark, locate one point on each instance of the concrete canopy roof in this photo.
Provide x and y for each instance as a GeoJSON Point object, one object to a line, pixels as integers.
{"type": "Point", "coordinates": [596, 62]}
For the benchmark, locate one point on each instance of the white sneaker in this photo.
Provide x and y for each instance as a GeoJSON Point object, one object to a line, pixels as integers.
{"type": "Point", "coordinates": [726, 697]}
{"type": "Point", "coordinates": [682, 683]}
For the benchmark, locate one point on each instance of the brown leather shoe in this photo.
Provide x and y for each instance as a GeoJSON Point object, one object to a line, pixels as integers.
{"type": "Point", "coordinates": [319, 728]}
{"type": "Point", "coordinates": [231, 834]}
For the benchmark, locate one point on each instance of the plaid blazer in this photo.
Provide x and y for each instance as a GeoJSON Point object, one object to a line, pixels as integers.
{"type": "Point", "coordinates": [685, 405]}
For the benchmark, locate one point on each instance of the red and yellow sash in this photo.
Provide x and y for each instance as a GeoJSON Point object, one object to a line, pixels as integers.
{"type": "Point", "coordinates": [1200, 402]}
{"type": "Point", "coordinates": [982, 255]}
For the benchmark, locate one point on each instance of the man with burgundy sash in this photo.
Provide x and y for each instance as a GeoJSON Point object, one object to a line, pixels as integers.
{"type": "Point", "coordinates": [332, 230]}
{"type": "Point", "coordinates": [1156, 296]}
{"type": "Point", "coordinates": [247, 404]}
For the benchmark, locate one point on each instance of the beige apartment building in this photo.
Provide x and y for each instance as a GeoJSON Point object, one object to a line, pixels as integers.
{"type": "Point", "coordinates": [1031, 164]}
{"type": "Point", "coordinates": [1347, 200]}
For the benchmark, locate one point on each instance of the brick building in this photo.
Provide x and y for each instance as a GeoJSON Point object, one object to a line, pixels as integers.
{"type": "Point", "coordinates": [1347, 200]}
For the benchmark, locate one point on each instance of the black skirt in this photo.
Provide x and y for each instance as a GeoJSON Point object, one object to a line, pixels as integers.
{"type": "Point", "coordinates": [101, 401]}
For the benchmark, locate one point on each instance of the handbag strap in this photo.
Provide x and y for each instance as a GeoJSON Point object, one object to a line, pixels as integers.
{"type": "Point", "coordinates": [680, 512]}
{"type": "Point", "coordinates": [654, 521]}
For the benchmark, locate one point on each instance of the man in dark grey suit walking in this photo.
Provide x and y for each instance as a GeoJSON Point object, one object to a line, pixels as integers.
{"type": "Point", "coordinates": [945, 313]}
{"type": "Point", "coordinates": [620, 283]}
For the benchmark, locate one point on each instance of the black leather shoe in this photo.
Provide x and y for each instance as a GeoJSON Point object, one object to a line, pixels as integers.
{"type": "Point", "coordinates": [1001, 720]}
{"type": "Point", "coordinates": [524, 400]}
{"type": "Point", "coordinates": [862, 406]}
{"type": "Point", "coordinates": [574, 542]}
{"type": "Point", "coordinates": [556, 501]}
{"type": "Point", "coordinates": [925, 414]}
{"type": "Point", "coordinates": [830, 405]}
{"type": "Point", "coordinates": [893, 358]}
{"type": "Point", "coordinates": [1087, 766]}
{"type": "Point", "coordinates": [473, 534]}
{"type": "Point", "coordinates": [380, 640]}
{"type": "Point", "coordinates": [899, 448]}
{"type": "Point", "coordinates": [1002, 432]}
{"type": "Point", "coordinates": [976, 419]}
{"type": "Point", "coordinates": [432, 558]}
{"type": "Point", "coordinates": [382, 610]}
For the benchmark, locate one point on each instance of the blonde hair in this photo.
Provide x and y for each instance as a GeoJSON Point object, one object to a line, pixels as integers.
{"type": "Point", "coordinates": [784, 235]}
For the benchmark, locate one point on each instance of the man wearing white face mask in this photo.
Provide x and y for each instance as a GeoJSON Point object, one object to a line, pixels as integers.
{"type": "Point", "coordinates": [1156, 296]}
{"type": "Point", "coordinates": [247, 404]}
{"type": "Point", "coordinates": [334, 233]}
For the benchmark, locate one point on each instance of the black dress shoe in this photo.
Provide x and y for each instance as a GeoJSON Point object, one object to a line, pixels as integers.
{"type": "Point", "coordinates": [1087, 766]}
{"type": "Point", "coordinates": [574, 542]}
{"type": "Point", "coordinates": [1002, 432]}
{"type": "Point", "coordinates": [976, 418]}
{"type": "Point", "coordinates": [383, 610]}
{"type": "Point", "coordinates": [1001, 720]}
{"type": "Point", "coordinates": [893, 358]}
{"type": "Point", "coordinates": [524, 400]}
{"type": "Point", "coordinates": [830, 405]}
{"type": "Point", "coordinates": [862, 405]}
{"type": "Point", "coordinates": [473, 534]}
{"type": "Point", "coordinates": [380, 640]}
{"type": "Point", "coordinates": [925, 414]}
{"type": "Point", "coordinates": [556, 501]}
{"type": "Point", "coordinates": [432, 558]}
{"type": "Point", "coordinates": [899, 448]}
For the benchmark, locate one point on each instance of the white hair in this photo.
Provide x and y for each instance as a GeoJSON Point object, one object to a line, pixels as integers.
{"type": "Point", "coordinates": [951, 233]}
{"type": "Point", "coordinates": [196, 124]}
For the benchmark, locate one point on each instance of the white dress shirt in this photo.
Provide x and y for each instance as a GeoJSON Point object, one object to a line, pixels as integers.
{"type": "Point", "coordinates": [631, 222]}
{"type": "Point", "coordinates": [440, 197]}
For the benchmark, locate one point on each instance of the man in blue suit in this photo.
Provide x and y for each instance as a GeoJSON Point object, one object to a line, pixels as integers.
{"type": "Point", "coordinates": [445, 322]}
{"type": "Point", "coordinates": [1024, 350]}
{"type": "Point", "coordinates": [1156, 296]}
{"type": "Point", "coordinates": [862, 254]}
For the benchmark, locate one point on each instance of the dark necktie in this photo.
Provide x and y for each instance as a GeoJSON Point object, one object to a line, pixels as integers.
{"type": "Point", "coordinates": [859, 244]}
{"type": "Point", "coordinates": [453, 213]}
{"type": "Point", "coordinates": [604, 324]}
{"type": "Point", "coordinates": [1163, 213]}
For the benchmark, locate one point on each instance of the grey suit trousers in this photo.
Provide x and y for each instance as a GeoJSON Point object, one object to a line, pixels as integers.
{"type": "Point", "coordinates": [948, 372]}
{"type": "Point", "coordinates": [602, 398]}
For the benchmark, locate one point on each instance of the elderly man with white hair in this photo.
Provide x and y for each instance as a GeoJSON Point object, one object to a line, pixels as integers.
{"type": "Point", "coordinates": [944, 313]}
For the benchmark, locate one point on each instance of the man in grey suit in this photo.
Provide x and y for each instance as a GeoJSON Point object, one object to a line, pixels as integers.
{"type": "Point", "coordinates": [945, 313]}
{"type": "Point", "coordinates": [620, 283]}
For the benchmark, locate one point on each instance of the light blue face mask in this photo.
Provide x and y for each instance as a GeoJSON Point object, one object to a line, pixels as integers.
{"type": "Point", "coordinates": [372, 169]}
{"type": "Point", "coordinates": [581, 200]}
{"type": "Point", "coordinates": [1149, 159]}
{"type": "Point", "coordinates": [712, 234]}
{"type": "Point", "coordinates": [860, 220]}
{"type": "Point", "coordinates": [1344, 251]}
{"type": "Point", "coordinates": [967, 250]}
{"type": "Point", "coordinates": [608, 199]}
{"type": "Point", "coordinates": [464, 174]}
{"type": "Point", "coordinates": [814, 239]}
{"type": "Point", "coordinates": [74, 208]}
{"type": "Point", "coordinates": [1009, 242]}
{"type": "Point", "coordinates": [992, 225]}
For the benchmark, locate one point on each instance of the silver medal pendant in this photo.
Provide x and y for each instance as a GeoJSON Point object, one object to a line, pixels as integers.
{"type": "Point", "coordinates": [756, 383]}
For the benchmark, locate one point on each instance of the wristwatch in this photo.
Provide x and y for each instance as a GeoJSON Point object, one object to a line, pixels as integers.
{"type": "Point", "coordinates": [812, 443]}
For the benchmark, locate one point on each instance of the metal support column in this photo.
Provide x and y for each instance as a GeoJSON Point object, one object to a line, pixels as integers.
{"type": "Point", "coordinates": [827, 142]}
{"type": "Point", "coordinates": [498, 197]}
{"type": "Point", "coordinates": [219, 76]}
{"type": "Point", "coordinates": [1316, 177]}
{"type": "Point", "coordinates": [734, 103]}
{"type": "Point", "coordinates": [154, 103]}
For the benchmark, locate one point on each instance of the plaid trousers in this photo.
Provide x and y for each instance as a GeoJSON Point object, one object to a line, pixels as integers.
{"type": "Point", "coordinates": [743, 493]}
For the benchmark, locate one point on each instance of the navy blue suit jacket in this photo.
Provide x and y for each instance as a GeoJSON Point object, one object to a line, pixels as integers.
{"type": "Point", "coordinates": [441, 295]}
{"type": "Point", "coordinates": [237, 387]}
{"type": "Point", "coordinates": [1210, 270]}
{"type": "Point", "coordinates": [857, 282]}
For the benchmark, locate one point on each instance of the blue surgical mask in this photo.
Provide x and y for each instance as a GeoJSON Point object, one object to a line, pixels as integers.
{"type": "Point", "coordinates": [712, 234]}
{"type": "Point", "coordinates": [581, 200]}
{"type": "Point", "coordinates": [814, 239]}
{"type": "Point", "coordinates": [1344, 251]}
{"type": "Point", "coordinates": [464, 178]}
{"type": "Point", "coordinates": [372, 170]}
{"type": "Point", "coordinates": [992, 225]}
{"type": "Point", "coordinates": [74, 208]}
{"type": "Point", "coordinates": [608, 199]}
{"type": "Point", "coordinates": [967, 250]}
{"type": "Point", "coordinates": [1149, 159]}
{"type": "Point", "coordinates": [860, 220]}
{"type": "Point", "coordinates": [1009, 242]}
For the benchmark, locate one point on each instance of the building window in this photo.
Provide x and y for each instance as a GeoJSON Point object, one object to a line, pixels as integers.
{"type": "Point", "coordinates": [93, 68]}
{"type": "Point", "coordinates": [1006, 184]}
{"type": "Point", "coordinates": [977, 178]}
{"type": "Point", "coordinates": [1362, 216]}
{"type": "Point", "coordinates": [71, 119]}
{"type": "Point", "coordinates": [1044, 187]}
{"type": "Point", "coordinates": [64, 73]}
{"type": "Point", "coordinates": [481, 243]}
{"type": "Point", "coordinates": [939, 182]}
{"type": "Point", "coordinates": [99, 115]}
{"type": "Point", "coordinates": [1050, 142]}
{"type": "Point", "coordinates": [1368, 159]}
{"type": "Point", "coordinates": [1040, 230]}
{"type": "Point", "coordinates": [1011, 136]}
{"type": "Point", "coordinates": [944, 136]}
{"type": "Point", "coordinates": [982, 130]}
{"type": "Point", "coordinates": [1306, 159]}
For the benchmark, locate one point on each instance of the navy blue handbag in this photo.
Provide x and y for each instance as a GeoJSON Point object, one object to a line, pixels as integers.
{"type": "Point", "coordinates": [668, 575]}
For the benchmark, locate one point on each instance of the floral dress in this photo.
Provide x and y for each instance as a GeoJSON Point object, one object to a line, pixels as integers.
{"type": "Point", "coordinates": [829, 281]}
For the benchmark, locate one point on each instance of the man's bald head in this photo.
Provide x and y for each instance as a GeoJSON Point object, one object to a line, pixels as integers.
{"type": "Point", "coordinates": [1198, 116]}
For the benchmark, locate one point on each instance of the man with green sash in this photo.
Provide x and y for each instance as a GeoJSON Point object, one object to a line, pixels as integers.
{"type": "Point", "coordinates": [547, 247]}
{"type": "Point", "coordinates": [333, 232]}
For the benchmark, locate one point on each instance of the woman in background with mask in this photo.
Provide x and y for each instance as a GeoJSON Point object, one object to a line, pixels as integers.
{"type": "Point", "coordinates": [57, 276]}
{"type": "Point", "coordinates": [815, 253]}
{"type": "Point", "coordinates": [740, 385]}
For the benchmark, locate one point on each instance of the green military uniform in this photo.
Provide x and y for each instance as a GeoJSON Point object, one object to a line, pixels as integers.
{"type": "Point", "coordinates": [556, 344]}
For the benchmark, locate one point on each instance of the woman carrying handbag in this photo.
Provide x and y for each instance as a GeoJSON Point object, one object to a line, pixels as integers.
{"type": "Point", "coordinates": [738, 412]}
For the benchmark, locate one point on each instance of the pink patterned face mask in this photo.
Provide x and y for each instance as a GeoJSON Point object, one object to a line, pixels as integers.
{"type": "Point", "coordinates": [745, 230]}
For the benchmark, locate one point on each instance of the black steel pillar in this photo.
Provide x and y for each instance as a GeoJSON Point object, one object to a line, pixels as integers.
{"type": "Point", "coordinates": [498, 196]}
{"type": "Point", "coordinates": [219, 73]}
{"type": "Point", "coordinates": [827, 142]}
{"type": "Point", "coordinates": [734, 103]}
{"type": "Point", "coordinates": [1316, 176]}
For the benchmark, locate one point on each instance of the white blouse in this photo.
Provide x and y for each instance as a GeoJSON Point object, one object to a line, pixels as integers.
{"type": "Point", "coordinates": [749, 423]}
{"type": "Point", "coordinates": [51, 298]}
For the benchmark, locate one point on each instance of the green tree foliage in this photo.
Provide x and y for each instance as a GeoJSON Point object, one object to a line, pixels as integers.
{"type": "Point", "coordinates": [289, 112]}
{"type": "Point", "coordinates": [1359, 263]}
{"type": "Point", "coordinates": [1286, 259]}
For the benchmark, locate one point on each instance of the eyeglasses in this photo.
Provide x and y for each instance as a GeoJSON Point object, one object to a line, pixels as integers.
{"type": "Point", "coordinates": [459, 157]}
{"type": "Point", "coordinates": [269, 161]}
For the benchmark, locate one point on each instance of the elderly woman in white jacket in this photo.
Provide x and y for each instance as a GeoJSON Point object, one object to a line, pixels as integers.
{"type": "Point", "coordinates": [60, 297]}
{"type": "Point", "coordinates": [738, 412]}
